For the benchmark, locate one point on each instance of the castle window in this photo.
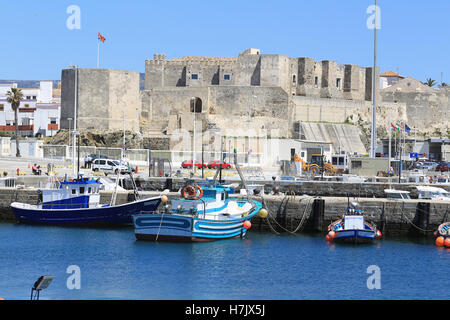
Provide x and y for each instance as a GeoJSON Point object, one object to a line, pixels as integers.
{"type": "Point", "coordinates": [316, 81]}
{"type": "Point", "coordinates": [226, 77]}
{"type": "Point", "coordinates": [338, 83]}
{"type": "Point", "coordinates": [293, 78]}
{"type": "Point", "coordinates": [194, 76]}
{"type": "Point", "coordinates": [34, 97]}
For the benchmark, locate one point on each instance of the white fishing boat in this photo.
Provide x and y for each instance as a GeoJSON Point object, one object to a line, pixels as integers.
{"type": "Point", "coordinates": [393, 194]}
{"type": "Point", "coordinates": [433, 193]}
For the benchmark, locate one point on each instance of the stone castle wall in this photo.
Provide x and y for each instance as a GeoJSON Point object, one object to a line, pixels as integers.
{"type": "Point", "coordinates": [104, 95]}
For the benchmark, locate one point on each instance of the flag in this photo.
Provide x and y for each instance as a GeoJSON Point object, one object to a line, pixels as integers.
{"type": "Point", "coordinates": [393, 127]}
{"type": "Point", "coordinates": [398, 127]}
{"type": "Point", "coordinates": [101, 38]}
{"type": "Point", "coordinates": [407, 129]}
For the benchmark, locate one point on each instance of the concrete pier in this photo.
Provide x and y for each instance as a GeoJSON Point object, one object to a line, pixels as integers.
{"type": "Point", "coordinates": [296, 214]}
{"type": "Point", "coordinates": [393, 217]}
{"type": "Point", "coordinates": [311, 188]}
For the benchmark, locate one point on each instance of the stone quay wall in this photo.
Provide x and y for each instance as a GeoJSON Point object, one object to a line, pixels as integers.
{"type": "Point", "coordinates": [298, 214]}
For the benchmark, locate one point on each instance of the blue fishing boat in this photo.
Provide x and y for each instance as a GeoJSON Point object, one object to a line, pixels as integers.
{"type": "Point", "coordinates": [78, 202]}
{"type": "Point", "coordinates": [201, 214]}
{"type": "Point", "coordinates": [352, 228]}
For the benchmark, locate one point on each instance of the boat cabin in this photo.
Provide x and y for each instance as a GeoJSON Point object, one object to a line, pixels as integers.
{"type": "Point", "coordinates": [433, 193]}
{"type": "Point", "coordinates": [397, 194]}
{"type": "Point", "coordinates": [72, 194]}
{"type": "Point", "coordinates": [214, 197]}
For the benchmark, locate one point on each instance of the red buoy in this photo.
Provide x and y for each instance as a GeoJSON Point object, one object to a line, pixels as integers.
{"type": "Point", "coordinates": [247, 225]}
{"type": "Point", "coordinates": [328, 238]}
{"type": "Point", "coordinates": [378, 235]}
{"type": "Point", "coordinates": [447, 242]}
{"type": "Point", "coordinates": [440, 241]}
{"type": "Point", "coordinates": [332, 234]}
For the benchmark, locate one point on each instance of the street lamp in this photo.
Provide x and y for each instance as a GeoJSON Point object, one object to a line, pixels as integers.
{"type": "Point", "coordinates": [75, 68]}
{"type": "Point", "coordinates": [70, 125]}
{"type": "Point", "coordinates": [42, 283]}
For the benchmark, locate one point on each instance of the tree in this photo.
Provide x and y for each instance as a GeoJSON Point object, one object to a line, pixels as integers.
{"type": "Point", "coordinates": [430, 82]}
{"type": "Point", "coordinates": [443, 85]}
{"type": "Point", "coordinates": [14, 97]}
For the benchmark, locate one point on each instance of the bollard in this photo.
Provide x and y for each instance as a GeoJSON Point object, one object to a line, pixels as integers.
{"type": "Point", "coordinates": [168, 184]}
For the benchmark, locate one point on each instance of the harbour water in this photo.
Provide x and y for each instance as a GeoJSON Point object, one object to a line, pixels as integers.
{"type": "Point", "coordinates": [264, 266]}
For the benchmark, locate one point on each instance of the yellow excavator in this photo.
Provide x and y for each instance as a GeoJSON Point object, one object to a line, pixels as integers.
{"type": "Point", "coordinates": [317, 162]}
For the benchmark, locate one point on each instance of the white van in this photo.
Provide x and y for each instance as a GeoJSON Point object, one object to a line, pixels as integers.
{"type": "Point", "coordinates": [109, 166]}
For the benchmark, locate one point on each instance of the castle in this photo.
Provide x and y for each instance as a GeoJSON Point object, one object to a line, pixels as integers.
{"type": "Point", "coordinates": [254, 95]}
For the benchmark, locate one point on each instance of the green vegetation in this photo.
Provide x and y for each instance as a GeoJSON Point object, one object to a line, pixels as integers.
{"type": "Point", "coordinates": [430, 82]}
{"type": "Point", "coordinates": [14, 97]}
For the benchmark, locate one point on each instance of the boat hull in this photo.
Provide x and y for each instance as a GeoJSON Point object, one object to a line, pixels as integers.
{"type": "Point", "coordinates": [188, 228]}
{"type": "Point", "coordinates": [355, 236]}
{"type": "Point", "coordinates": [117, 215]}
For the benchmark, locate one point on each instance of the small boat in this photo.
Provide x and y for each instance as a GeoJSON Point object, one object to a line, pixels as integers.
{"type": "Point", "coordinates": [201, 214]}
{"type": "Point", "coordinates": [393, 194]}
{"type": "Point", "coordinates": [352, 227]}
{"type": "Point", "coordinates": [433, 193]}
{"type": "Point", "coordinates": [78, 202]}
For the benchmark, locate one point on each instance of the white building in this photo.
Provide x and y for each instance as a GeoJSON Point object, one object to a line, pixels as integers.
{"type": "Point", "coordinates": [39, 112]}
{"type": "Point", "coordinates": [389, 78]}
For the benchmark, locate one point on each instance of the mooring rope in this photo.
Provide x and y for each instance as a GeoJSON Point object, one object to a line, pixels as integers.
{"type": "Point", "coordinates": [160, 224]}
{"type": "Point", "coordinates": [404, 216]}
{"type": "Point", "coordinates": [301, 223]}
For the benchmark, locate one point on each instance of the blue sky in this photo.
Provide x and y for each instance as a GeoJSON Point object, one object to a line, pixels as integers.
{"type": "Point", "coordinates": [36, 44]}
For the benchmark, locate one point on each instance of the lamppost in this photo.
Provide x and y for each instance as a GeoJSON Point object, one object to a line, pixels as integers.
{"type": "Point", "coordinates": [74, 132]}
{"type": "Point", "coordinates": [70, 125]}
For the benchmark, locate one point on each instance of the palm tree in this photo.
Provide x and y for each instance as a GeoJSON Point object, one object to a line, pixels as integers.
{"type": "Point", "coordinates": [430, 82]}
{"type": "Point", "coordinates": [14, 97]}
{"type": "Point", "coordinates": [443, 85]}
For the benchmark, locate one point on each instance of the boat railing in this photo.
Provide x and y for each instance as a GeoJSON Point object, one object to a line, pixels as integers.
{"type": "Point", "coordinates": [65, 205]}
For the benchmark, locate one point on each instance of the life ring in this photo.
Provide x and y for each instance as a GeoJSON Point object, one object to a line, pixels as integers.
{"type": "Point", "coordinates": [192, 192]}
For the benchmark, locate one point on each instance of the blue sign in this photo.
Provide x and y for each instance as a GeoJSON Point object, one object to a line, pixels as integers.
{"type": "Point", "coordinates": [414, 155]}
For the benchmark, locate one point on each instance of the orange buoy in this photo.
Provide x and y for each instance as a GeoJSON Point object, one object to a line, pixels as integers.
{"type": "Point", "coordinates": [137, 170]}
{"type": "Point", "coordinates": [332, 234]}
{"type": "Point", "coordinates": [378, 235]}
{"type": "Point", "coordinates": [164, 199]}
{"type": "Point", "coordinates": [247, 224]}
{"type": "Point", "coordinates": [440, 241]}
{"type": "Point", "coordinates": [328, 238]}
{"type": "Point", "coordinates": [447, 242]}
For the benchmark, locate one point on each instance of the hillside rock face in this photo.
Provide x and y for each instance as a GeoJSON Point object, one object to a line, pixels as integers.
{"type": "Point", "coordinates": [112, 139]}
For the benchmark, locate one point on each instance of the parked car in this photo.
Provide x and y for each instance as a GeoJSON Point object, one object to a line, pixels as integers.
{"type": "Point", "coordinates": [109, 166]}
{"type": "Point", "coordinates": [215, 164]}
{"type": "Point", "coordinates": [443, 166]}
{"type": "Point", "coordinates": [431, 166]}
{"type": "Point", "coordinates": [187, 164]}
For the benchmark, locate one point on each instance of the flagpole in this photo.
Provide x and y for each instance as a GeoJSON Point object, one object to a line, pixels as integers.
{"type": "Point", "coordinates": [400, 147]}
{"type": "Point", "coordinates": [98, 52]}
{"type": "Point", "coordinates": [389, 153]}
{"type": "Point", "coordinates": [373, 140]}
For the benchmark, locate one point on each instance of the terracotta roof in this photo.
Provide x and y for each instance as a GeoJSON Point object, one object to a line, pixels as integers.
{"type": "Point", "coordinates": [391, 74]}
